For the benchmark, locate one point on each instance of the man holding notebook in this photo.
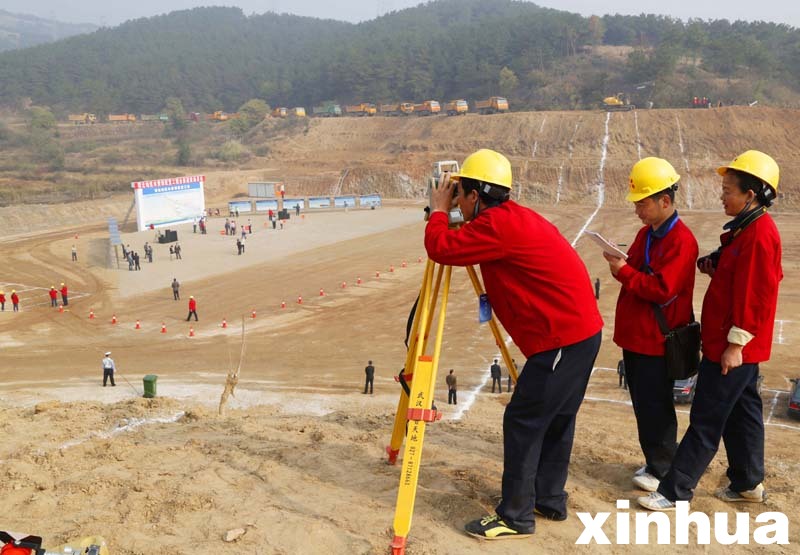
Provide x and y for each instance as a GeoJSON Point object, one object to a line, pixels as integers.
{"type": "Point", "coordinates": [657, 276]}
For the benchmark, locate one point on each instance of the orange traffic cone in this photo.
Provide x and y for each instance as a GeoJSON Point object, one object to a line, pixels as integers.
{"type": "Point", "coordinates": [61, 308]}
{"type": "Point", "coordinates": [403, 265]}
{"type": "Point", "coordinates": [224, 323]}
{"type": "Point", "coordinates": [391, 268]}
{"type": "Point", "coordinates": [321, 292]}
{"type": "Point", "coordinates": [191, 332]}
{"type": "Point", "coordinates": [344, 284]}
{"type": "Point", "coordinates": [138, 325]}
{"type": "Point", "coordinates": [299, 299]}
{"type": "Point", "coordinates": [283, 304]}
{"type": "Point", "coordinates": [163, 327]}
{"type": "Point", "coordinates": [378, 275]}
{"type": "Point", "coordinates": [113, 318]}
{"type": "Point", "coordinates": [253, 314]}
{"type": "Point", "coordinates": [419, 259]}
{"type": "Point", "coordinates": [358, 280]}
{"type": "Point", "coordinates": [91, 314]}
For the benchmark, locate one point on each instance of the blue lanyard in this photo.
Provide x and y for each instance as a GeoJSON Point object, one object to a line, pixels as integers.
{"type": "Point", "coordinates": [649, 233]}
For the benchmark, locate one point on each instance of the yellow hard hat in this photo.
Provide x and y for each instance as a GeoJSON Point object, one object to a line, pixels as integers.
{"type": "Point", "coordinates": [650, 176]}
{"type": "Point", "coordinates": [52, 287]}
{"type": "Point", "coordinates": [62, 284]}
{"type": "Point", "coordinates": [13, 290]}
{"type": "Point", "coordinates": [487, 166]}
{"type": "Point", "coordinates": [756, 164]}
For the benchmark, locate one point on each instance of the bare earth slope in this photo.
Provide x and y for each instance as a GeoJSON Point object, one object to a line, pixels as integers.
{"type": "Point", "coordinates": [298, 462]}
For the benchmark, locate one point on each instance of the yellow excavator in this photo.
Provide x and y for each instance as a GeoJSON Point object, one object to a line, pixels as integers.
{"type": "Point", "coordinates": [620, 102]}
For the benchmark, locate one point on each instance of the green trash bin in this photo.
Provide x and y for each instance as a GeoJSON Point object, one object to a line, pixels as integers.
{"type": "Point", "coordinates": [150, 386]}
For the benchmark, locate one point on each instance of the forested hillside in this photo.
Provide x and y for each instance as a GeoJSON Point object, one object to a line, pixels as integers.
{"type": "Point", "coordinates": [218, 58]}
{"type": "Point", "coordinates": [22, 31]}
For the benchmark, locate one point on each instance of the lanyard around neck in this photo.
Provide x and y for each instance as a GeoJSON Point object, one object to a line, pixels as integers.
{"type": "Point", "coordinates": [649, 235]}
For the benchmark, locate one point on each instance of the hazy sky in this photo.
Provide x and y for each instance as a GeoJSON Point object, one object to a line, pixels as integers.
{"type": "Point", "coordinates": [112, 12]}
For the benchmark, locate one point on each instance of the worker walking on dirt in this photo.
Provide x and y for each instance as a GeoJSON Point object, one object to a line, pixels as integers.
{"type": "Point", "coordinates": [452, 387]}
{"type": "Point", "coordinates": [14, 301]}
{"type": "Point", "coordinates": [74, 254]}
{"type": "Point", "coordinates": [369, 371]}
{"type": "Point", "coordinates": [108, 369]}
{"type": "Point", "coordinates": [659, 271]}
{"type": "Point", "coordinates": [738, 320]}
{"type": "Point", "coordinates": [192, 309]}
{"type": "Point", "coordinates": [176, 295]}
{"type": "Point", "coordinates": [497, 376]}
{"type": "Point", "coordinates": [548, 309]}
{"type": "Point", "coordinates": [64, 295]}
{"type": "Point", "coordinates": [53, 296]}
{"type": "Point", "coordinates": [2, 301]}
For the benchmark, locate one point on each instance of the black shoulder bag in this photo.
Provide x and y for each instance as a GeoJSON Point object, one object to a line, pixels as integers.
{"type": "Point", "coordinates": [682, 344]}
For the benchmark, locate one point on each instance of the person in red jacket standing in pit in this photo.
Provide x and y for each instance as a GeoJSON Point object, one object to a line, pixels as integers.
{"type": "Point", "coordinates": [2, 301]}
{"type": "Point", "coordinates": [737, 325]}
{"type": "Point", "coordinates": [542, 293]}
{"type": "Point", "coordinates": [64, 292]}
{"type": "Point", "coordinates": [53, 296]}
{"type": "Point", "coordinates": [15, 300]}
{"type": "Point", "coordinates": [659, 271]}
{"type": "Point", "coordinates": [192, 309]}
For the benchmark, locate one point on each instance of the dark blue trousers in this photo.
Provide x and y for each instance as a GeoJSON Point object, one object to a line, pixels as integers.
{"type": "Point", "coordinates": [538, 430]}
{"type": "Point", "coordinates": [727, 408]}
{"type": "Point", "coordinates": [654, 407]}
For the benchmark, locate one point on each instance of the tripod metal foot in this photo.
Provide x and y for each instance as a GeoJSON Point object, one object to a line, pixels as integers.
{"type": "Point", "coordinates": [398, 545]}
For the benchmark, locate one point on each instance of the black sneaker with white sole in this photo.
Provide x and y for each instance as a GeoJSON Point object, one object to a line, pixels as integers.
{"type": "Point", "coordinates": [492, 527]}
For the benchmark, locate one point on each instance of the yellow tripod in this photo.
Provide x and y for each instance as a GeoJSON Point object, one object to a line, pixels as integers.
{"type": "Point", "coordinates": [415, 407]}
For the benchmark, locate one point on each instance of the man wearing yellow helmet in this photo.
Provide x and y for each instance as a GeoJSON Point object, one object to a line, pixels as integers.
{"type": "Point", "coordinates": [542, 294]}
{"type": "Point", "coordinates": [656, 296]}
{"type": "Point", "coordinates": [737, 325]}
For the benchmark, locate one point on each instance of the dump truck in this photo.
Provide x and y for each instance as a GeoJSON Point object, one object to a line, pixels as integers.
{"type": "Point", "coordinates": [327, 111]}
{"type": "Point", "coordinates": [363, 109]}
{"type": "Point", "coordinates": [427, 108]}
{"type": "Point", "coordinates": [81, 119]}
{"type": "Point", "coordinates": [493, 105]}
{"type": "Point", "coordinates": [298, 112]}
{"type": "Point", "coordinates": [280, 112]}
{"type": "Point", "coordinates": [620, 102]}
{"type": "Point", "coordinates": [121, 118]}
{"type": "Point", "coordinates": [219, 115]}
{"type": "Point", "coordinates": [401, 109]}
{"type": "Point", "coordinates": [457, 107]}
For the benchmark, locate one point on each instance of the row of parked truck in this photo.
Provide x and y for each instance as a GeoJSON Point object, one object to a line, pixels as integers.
{"type": "Point", "coordinates": [459, 107]}
{"type": "Point", "coordinates": [493, 105]}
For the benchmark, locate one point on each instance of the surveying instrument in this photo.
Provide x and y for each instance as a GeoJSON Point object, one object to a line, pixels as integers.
{"type": "Point", "coordinates": [415, 408]}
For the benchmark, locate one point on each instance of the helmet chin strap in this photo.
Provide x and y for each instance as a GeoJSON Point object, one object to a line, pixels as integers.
{"type": "Point", "coordinates": [477, 208]}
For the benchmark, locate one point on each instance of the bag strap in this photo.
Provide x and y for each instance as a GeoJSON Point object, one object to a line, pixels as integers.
{"type": "Point", "coordinates": [659, 312]}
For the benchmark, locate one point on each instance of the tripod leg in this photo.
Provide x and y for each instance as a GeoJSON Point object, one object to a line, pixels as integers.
{"type": "Point", "coordinates": [420, 412]}
{"type": "Point", "coordinates": [419, 333]}
{"type": "Point", "coordinates": [498, 337]}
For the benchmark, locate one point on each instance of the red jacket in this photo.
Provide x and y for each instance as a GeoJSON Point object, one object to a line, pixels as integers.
{"type": "Point", "coordinates": [64, 291]}
{"type": "Point", "coordinates": [537, 285]}
{"type": "Point", "coordinates": [2, 298]}
{"type": "Point", "coordinates": [53, 293]}
{"type": "Point", "coordinates": [192, 304]}
{"type": "Point", "coordinates": [744, 292]}
{"type": "Point", "coordinates": [14, 298]}
{"type": "Point", "coordinates": [672, 260]}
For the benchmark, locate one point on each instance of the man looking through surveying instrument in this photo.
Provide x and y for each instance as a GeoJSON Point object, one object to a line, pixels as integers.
{"type": "Point", "coordinates": [542, 294]}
